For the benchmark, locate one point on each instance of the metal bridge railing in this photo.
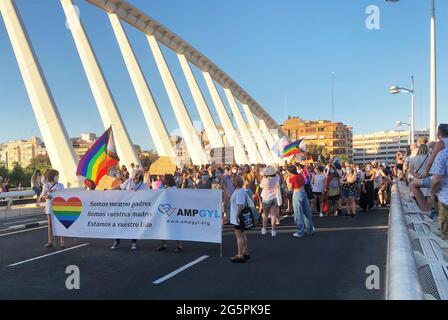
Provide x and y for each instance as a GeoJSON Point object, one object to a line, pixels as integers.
{"type": "Point", "coordinates": [417, 267]}
{"type": "Point", "coordinates": [10, 197]}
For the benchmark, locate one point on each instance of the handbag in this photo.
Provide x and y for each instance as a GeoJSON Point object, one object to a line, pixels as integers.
{"type": "Point", "coordinates": [278, 194]}
{"type": "Point", "coordinates": [247, 220]}
{"type": "Point", "coordinates": [426, 158]}
{"type": "Point", "coordinates": [325, 206]}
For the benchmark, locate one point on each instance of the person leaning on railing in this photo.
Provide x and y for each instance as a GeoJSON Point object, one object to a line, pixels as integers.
{"type": "Point", "coordinates": [36, 185]}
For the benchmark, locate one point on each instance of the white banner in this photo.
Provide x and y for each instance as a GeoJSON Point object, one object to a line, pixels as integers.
{"type": "Point", "coordinates": [222, 155]}
{"type": "Point", "coordinates": [172, 214]}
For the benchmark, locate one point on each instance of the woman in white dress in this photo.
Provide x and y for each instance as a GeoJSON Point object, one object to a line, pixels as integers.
{"type": "Point", "coordinates": [51, 186]}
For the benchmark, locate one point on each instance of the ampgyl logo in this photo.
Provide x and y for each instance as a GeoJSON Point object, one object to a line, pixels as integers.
{"type": "Point", "coordinates": [168, 210]}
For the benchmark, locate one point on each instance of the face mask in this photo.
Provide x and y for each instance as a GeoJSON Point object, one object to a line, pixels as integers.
{"type": "Point", "coordinates": [331, 171]}
{"type": "Point", "coordinates": [349, 171]}
{"type": "Point", "coordinates": [204, 177]}
{"type": "Point", "coordinates": [218, 174]}
{"type": "Point", "coordinates": [56, 179]}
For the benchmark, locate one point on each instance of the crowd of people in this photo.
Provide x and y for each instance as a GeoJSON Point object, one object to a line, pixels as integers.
{"type": "Point", "coordinates": [300, 189]}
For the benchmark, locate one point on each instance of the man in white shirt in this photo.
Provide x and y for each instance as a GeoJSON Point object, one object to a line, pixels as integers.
{"type": "Point", "coordinates": [132, 170]}
{"type": "Point", "coordinates": [135, 184]}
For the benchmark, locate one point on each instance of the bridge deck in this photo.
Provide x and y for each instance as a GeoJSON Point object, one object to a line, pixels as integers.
{"type": "Point", "coordinates": [329, 265]}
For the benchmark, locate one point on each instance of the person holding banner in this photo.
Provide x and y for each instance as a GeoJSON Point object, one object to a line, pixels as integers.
{"type": "Point", "coordinates": [237, 204]}
{"type": "Point", "coordinates": [132, 184]}
{"type": "Point", "coordinates": [170, 182]}
{"type": "Point", "coordinates": [51, 186]}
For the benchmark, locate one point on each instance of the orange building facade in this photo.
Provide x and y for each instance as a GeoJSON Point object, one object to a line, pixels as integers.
{"type": "Point", "coordinates": [336, 137]}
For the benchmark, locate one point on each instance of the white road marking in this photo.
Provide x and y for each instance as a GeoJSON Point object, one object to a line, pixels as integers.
{"type": "Point", "coordinates": [15, 232]}
{"type": "Point", "coordinates": [19, 221]}
{"type": "Point", "coordinates": [47, 255]}
{"type": "Point", "coordinates": [172, 274]}
{"type": "Point", "coordinates": [286, 229]}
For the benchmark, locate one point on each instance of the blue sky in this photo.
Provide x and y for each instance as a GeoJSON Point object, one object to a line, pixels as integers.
{"type": "Point", "coordinates": [278, 50]}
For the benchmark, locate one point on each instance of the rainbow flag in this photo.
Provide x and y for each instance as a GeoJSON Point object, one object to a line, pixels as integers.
{"type": "Point", "coordinates": [97, 161]}
{"type": "Point", "coordinates": [294, 148]}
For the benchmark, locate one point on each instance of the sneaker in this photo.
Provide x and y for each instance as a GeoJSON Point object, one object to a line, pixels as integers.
{"type": "Point", "coordinates": [297, 235]}
{"type": "Point", "coordinates": [48, 245]}
{"type": "Point", "coordinates": [321, 215]}
{"type": "Point", "coordinates": [246, 256]}
{"type": "Point", "coordinates": [263, 231]}
{"type": "Point", "coordinates": [179, 249]}
{"type": "Point", "coordinates": [134, 246]}
{"type": "Point", "coordinates": [273, 233]}
{"type": "Point", "coordinates": [277, 223]}
{"type": "Point", "coordinates": [115, 245]}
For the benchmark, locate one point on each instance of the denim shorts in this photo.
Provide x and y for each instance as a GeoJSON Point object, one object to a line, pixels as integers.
{"type": "Point", "coordinates": [347, 194]}
{"type": "Point", "coordinates": [270, 203]}
{"type": "Point", "coordinates": [426, 182]}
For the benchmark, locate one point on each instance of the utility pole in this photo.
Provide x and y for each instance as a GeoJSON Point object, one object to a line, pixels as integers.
{"type": "Point", "coordinates": [433, 92]}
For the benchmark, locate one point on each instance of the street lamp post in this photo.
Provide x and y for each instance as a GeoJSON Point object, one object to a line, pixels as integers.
{"type": "Point", "coordinates": [433, 109]}
{"type": "Point", "coordinates": [399, 124]}
{"type": "Point", "coordinates": [433, 72]}
{"type": "Point", "coordinates": [396, 90]}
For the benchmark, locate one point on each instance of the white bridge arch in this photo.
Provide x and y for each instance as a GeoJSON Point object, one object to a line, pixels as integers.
{"type": "Point", "coordinates": [252, 141]}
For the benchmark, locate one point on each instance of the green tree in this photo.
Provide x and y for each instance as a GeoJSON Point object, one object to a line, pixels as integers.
{"type": "Point", "coordinates": [40, 162]}
{"type": "Point", "coordinates": [4, 172]}
{"type": "Point", "coordinates": [17, 175]}
{"type": "Point", "coordinates": [318, 152]}
{"type": "Point", "coordinates": [323, 154]}
{"type": "Point", "coordinates": [147, 159]}
{"type": "Point", "coordinates": [312, 151]}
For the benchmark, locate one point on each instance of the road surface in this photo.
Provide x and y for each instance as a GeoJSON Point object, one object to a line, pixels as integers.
{"type": "Point", "coordinates": [328, 265]}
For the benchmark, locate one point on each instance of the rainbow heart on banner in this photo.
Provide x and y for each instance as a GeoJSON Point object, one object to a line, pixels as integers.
{"type": "Point", "coordinates": [67, 212]}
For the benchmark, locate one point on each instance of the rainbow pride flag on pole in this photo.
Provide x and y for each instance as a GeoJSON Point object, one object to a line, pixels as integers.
{"type": "Point", "coordinates": [295, 147]}
{"type": "Point", "coordinates": [97, 161]}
